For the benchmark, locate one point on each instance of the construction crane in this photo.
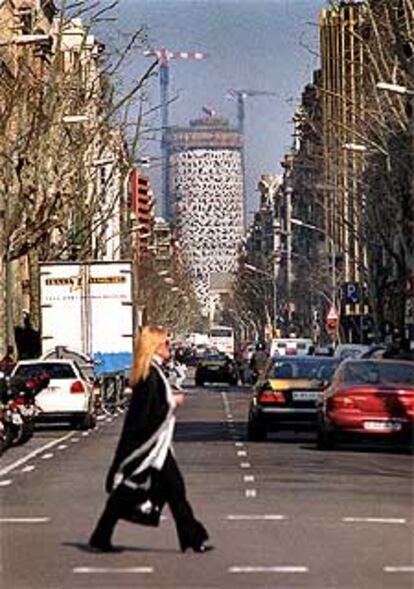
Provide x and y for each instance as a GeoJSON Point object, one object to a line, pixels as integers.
{"type": "Point", "coordinates": [240, 96]}
{"type": "Point", "coordinates": [164, 57]}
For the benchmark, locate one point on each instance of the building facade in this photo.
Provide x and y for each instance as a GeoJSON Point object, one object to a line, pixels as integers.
{"type": "Point", "coordinates": [206, 187]}
{"type": "Point", "coordinates": [343, 61]}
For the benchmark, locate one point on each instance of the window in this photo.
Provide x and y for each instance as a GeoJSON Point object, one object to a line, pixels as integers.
{"type": "Point", "coordinates": [54, 370]}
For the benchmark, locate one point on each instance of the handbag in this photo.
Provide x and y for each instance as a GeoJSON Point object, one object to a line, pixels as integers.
{"type": "Point", "coordinates": [143, 503]}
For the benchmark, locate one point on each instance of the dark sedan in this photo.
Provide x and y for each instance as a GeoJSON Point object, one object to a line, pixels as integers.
{"type": "Point", "coordinates": [285, 396]}
{"type": "Point", "coordinates": [368, 399]}
{"type": "Point", "coordinates": [215, 367]}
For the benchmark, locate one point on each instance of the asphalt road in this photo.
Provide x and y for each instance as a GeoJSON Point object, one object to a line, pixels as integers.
{"type": "Point", "coordinates": [280, 513]}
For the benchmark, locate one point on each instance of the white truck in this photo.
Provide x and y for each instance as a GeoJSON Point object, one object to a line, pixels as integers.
{"type": "Point", "coordinates": [87, 306]}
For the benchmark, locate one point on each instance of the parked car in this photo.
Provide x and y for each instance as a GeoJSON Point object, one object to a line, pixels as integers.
{"type": "Point", "coordinates": [374, 352]}
{"type": "Point", "coordinates": [68, 396]}
{"type": "Point", "coordinates": [291, 346]}
{"type": "Point", "coordinates": [215, 367]}
{"type": "Point", "coordinates": [285, 396]}
{"type": "Point", "coordinates": [344, 351]}
{"type": "Point", "coordinates": [368, 399]}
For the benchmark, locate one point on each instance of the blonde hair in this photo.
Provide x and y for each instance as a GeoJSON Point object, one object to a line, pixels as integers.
{"type": "Point", "coordinates": [146, 345]}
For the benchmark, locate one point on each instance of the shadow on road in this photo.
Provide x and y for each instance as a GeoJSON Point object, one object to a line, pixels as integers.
{"type": "Point", "coordinates": [362, 448]}
{"type": "Point", "coordinates": [208, 431]}
{"type": "Point", "coordinates": [84, 547]}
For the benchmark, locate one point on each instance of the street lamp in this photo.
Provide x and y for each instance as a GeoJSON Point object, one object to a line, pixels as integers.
{"type": "Point", "coordinates": [301, 223]}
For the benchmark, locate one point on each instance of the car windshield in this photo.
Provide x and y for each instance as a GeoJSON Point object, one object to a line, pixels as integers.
{"type": "Point", "coordinates": [315, 369]}
{"type": "Point", "coordinates": [378, 373]}
{"type": "Point", "coordinates": [214, 357]}
{"type": "Point", "coordinates": [54, 370]}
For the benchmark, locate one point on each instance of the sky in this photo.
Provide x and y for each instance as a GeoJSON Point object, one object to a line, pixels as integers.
{"type": "Point", "coordinates": [267, 45]}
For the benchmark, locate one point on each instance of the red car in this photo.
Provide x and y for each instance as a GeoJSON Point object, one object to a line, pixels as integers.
{"type": "Point", "coordinates": [368, 399]}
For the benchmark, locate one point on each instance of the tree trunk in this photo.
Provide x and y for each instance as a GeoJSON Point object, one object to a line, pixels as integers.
{"type": "Point", "coordinates": [34, 288]}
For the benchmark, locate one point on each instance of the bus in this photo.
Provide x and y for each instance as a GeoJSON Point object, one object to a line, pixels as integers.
{"type": "Point", "coordinates": [222, 338]}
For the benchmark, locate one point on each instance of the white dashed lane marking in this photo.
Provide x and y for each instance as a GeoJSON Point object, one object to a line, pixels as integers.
{"type": "Point", "coordinates": [47, 456]}
{"type": "Point", "coordinates": [268, 517]}
{"type": "Point", "coordinates": [6, 483]}
{"type": "Point", "coordinates": [24, 520]}
{"type": "Point", "coordinates": [374, 520]}
{"type": "Point", "coordinates": [28, 468]}
{"type": "Point", "coordinates": [400, 569]}
{"type": "Point", "coordinates": [62, 447]}
{"type": "Point", "coordinates": [105, 570]}
{"type": "Point", "coordinates": [34, 453]}
{"type": "Point", "coordinates": [248, 478]}
{"type": "Point", "coordinates": [241, 453]}
{"type": "Point", "coordinates": [245, 465]}
{"type": "Point", "coordinates": [250, 493]}
{"type": "Point", "coordinates": [270, 569]}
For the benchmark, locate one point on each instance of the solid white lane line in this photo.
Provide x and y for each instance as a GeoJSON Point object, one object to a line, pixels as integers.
{"type": "Point", "coordinates": [25, 459]}
{"type": "Point", "coordinates": [28, 468]}
{"type": "Point", "coordinates": [6, 483]}
{"type": "Point", "coordinates": [270, 569]}
{"type": "Point", "coordinates": [250, 493]}
{"type": "Point", "coordinates": [375, 520]}
{"type": "Point", "coordinates": [47, 456]}
{"type": "Point", "coordinates": [269, 517]}
{"type": "Point", "coordinates": [241, 453]}
{"type": "Point", "coordinates": [104, 570]}
{"type": "Point", "coordinates": [401, 569]}
{"type": "Point", "coordinates": [245, 465]}
{"type": "Point", "coordinates": [248, 478]}
{"type": "Point", "coordinates": [24, 520]}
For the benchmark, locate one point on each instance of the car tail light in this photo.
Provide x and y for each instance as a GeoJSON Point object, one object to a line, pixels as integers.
{"type": "Point", "coordinates": [341, 402]}
{"type": "Point", "coordinates": [271, 396]}
{"type": "Point", "coordinates": [77, 387]}
{"type": "Point", "coordinates": [406, 399]}
{"type": "Point", "coordinates": [18, 401]}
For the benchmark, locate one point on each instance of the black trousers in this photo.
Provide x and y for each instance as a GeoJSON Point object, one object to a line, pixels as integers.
{"type": "Point", "coordinates": [171, 490]}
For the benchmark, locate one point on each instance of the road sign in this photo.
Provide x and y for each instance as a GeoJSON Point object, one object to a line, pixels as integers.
{"type": "Point", "coordinates": [332, 314]}
{"type": "Point", "coordinates": [332, 320]}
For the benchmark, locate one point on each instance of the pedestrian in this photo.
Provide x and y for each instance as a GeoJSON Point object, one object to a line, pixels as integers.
{"type": "Point", "coordinates": [258, 361]}
{"type": "Point", "coordinates": [144, 458]}
{"type": "Point", "coordinates": [8, 362]}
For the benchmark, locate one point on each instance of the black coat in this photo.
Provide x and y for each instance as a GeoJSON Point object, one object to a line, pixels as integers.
{"type": "Point", "coordinates": [147, 410]}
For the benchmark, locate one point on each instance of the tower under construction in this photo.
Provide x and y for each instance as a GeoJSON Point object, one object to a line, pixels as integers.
{"type": "Point", "coordinates": [206, 188]}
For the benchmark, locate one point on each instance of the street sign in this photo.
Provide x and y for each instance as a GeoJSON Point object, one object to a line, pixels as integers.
{"type": "Point", "coordinates": [332, 320]}
{"type": "Point", "coordinates": [332, 314]}
{"type": "Point", "coordinates": [352, 293]}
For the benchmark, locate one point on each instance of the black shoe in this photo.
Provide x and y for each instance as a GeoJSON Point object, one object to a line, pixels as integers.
{"type": "Point", "coordinates": [104, 547]}
{"type": "Point", "coordinates": [200, 548]}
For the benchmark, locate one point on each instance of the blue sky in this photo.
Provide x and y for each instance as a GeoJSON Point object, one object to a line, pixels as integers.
{"type": "Point", "coordinates": [251, 44]}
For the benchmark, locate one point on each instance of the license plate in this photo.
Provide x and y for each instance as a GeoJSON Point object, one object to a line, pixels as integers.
{"type": "Point", "coordinates": [380, 426]}
{"type": "Point", "coordinates": [213, 367]}
{"type": "Point", "coordinates": [304, 395]}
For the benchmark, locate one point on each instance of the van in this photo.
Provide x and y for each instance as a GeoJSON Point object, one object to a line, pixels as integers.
{"type": "Point", "coordinates": [290, 346]}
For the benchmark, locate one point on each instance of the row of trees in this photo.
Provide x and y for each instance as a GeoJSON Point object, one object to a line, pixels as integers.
{"type": "Point", "coordinates": [351, 175]}
{"type": "Point", "coordinates": [68, 140]}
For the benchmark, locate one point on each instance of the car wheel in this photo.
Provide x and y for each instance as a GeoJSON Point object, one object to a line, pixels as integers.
{"type": "Point", "coordinates": [86, 421]}
{"type": "Point", "coordinates": [326, 440]}
{"type": "Point", "coordinates": [255, 431]}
